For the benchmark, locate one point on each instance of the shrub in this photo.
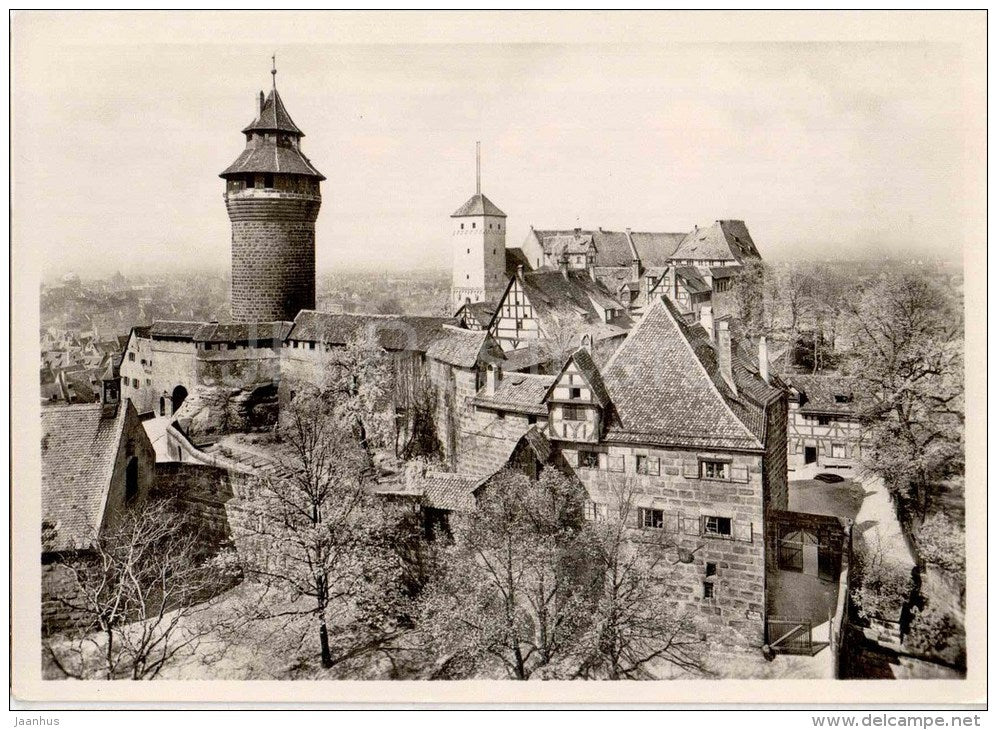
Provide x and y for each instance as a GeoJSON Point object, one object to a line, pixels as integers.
{"type": "Point", "coordinates": [937, 634]}
{"type": "Point", "coordinates": [883, 588]}
{"type": "Point", "coordinates": [943, 543]}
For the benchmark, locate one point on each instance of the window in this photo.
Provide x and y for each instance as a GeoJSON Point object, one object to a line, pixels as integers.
{"type": "Point", "coordinates": [574, 393]}
{"type": "Point", "coordinates": [841, 398]}
{"type": "Point", "coordinates": [573, 413]}
{"type": "Point", "coordinates": [469, 250]}
{"type": "Point", "coordinates": [143, 361]}
{"type": "Point", "coordinates": [721, 285]}
{"type": "Point", "coordinates": [519, 324]}
{"type": "Point", "coordinates": [494, 251]}
{"type": "Point", "coordinates": [462, 228]}
{"type": "Point", "coordinates": [588, 459]}
{"type": "Point", "coordinates": [648, 464]}
{"type": "Point", "coordinates": [837, 451]}
{"type": "Point", "coordinates": [595, 512]}
{"type": "Point", "coordinates": [148, 381]}
{"type": "Point", "coordinates": [711, 569]}
{"type": "Point", "coordinates": [717, 526]}
{"type": "Point", "coordinates": [707, 589]}
{"type": "Point", "coordinates": [714, 470]}
{"type": "Point", "coordinates": [311, 345]}
{"type": "Point", "coordinates": [651, 518]}
{"type": "Point", "coordinates": [474, 225]}
{"type": "Point", "coordinates": [131, 357]}
{"type": "Point", "coordinates": [489, 225]}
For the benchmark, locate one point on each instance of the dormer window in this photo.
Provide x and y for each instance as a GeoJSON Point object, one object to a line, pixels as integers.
{"type": "Point", "coordinates": [842, 398]}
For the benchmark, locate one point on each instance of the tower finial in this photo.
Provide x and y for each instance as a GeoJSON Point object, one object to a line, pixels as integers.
{"type": "Point", "coordinates": [273, 71]}
{"type": "Point", "coordinates": [477, 159]}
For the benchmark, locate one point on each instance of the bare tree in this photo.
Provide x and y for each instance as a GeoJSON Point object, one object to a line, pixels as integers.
{"type": "Point", "coordinates": [315, 539]}
{"type": "Point", "coordinates": [360, 382]}
{"type": "Point", "coordinates": [908, 357]}
{"type": "Point", "coordinates": [633, 630]}
{"type": "Point", "coordinates": [515, 591]}
{"type": "Point", "coordinates": [143, 597]}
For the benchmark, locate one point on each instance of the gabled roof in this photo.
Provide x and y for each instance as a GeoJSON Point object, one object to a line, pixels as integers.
{"type": "Point", "coordinates": [478, 205]}
{"type": "Point", "coordinates": [582, 360]}
{"type": "Point", "coordinates": [725, 240]}
{"type": "Point", "coordinates": [460, 347]}
{"type": "Point", "coordinates": [514, 258]}
{"type": "Point", "coordinates": [394, 332]}
{"type": "Point", "coordinates": [518, 393]}
{"type": "Point", "coordinates": [666, 388]}
{"type": "Point", "coordinates": [561, 301]}
{"type": "Point", "coordinates": [655, 249]}
{"type": "Point", "coordinates": [79, 448]}
{"type": "Point", "coordinates": [274, 117]}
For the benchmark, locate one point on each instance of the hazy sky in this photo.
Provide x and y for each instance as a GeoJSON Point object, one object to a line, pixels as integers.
{"type": "Point", "coordinates": [824, 149]}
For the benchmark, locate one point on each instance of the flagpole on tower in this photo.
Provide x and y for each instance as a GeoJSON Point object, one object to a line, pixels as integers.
{"type": "Point", "coordinates": [477, 155]}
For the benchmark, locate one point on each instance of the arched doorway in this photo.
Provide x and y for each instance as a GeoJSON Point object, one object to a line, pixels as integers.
{"type": "Point", "coordinates": [179, 396]}
{"type": "Point", "coordinates": [162, 405]}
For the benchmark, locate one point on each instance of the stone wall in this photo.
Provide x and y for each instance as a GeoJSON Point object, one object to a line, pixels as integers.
{"type": "Point", "coordinates": [208, 493]}
{"type": "Point", "coordinates": [59, 586]}
{"type": "Point", "coordinates": [486, 440]}
{"type": "Point", "coordinates": [168, 363]}
{"type": "Point", "coordinates": [738, 597]}
{"type": "Point", "coordinates": [273, 254]}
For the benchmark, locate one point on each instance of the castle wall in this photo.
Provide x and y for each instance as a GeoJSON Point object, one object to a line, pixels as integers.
{"type": "Point", "coordinates": [273, 253]}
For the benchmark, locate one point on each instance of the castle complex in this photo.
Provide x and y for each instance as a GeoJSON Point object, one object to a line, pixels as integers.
{"type": "Point", "coordinates": [613, 356]}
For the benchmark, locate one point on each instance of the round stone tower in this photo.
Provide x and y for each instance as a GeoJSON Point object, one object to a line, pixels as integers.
{"type": "Point", "coordinates": [273, 198]}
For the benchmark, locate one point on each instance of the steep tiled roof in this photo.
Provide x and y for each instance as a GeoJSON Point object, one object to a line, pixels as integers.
{"type": "Point", "coordinates": [394, 332]}
{"type": "Point", "coordinates": [726, 240]}
{"type": "Point", "coordinates": [79, 446]}
{"type": "Point", "coordinates": [525, 358]}
{"type": "Point", "coordinates": [655, 249]}
{"type": "Point", "coordinates": [266, 157]}
{"type": "Point", "coordinates": [478, 205]}
{"type": "Point", "coordinates": [444, 490]}
{"type": "Point", "coordinates": [820, 393]}
{"type": "Point", "coordinates": [518, 393]}
{"type": "Point", "coordinates": [274, 117]}
{"type": "Point", "coordinates": [560, 301]}
{"type": "Point", "coordinates": [666, 388]}
{"type": "Point", "coordinates": [457, 346]}
{"type": "Point", "coordinates": [514, 258]}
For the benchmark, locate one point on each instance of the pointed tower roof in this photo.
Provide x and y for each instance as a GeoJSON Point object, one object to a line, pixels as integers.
{"type": "Point", "coordinates": [478, 205]}
{"type": "Point", "coordinates": [274, 117]}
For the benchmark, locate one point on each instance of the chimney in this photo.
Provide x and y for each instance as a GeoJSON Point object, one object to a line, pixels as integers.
{"type": "Point", "coordinates": [578, 232]}
{"type": "Point", "coordinates": [706, 319]}
{"type": "Point", "coordinates": [724, 355]}
{"type": "Point", "coordinates": [259, 113]}
{"type": "Point", "coordinates": [763, 358]}
{"type": "Point", "coordinates": [519, 271]}
{"type": "Point", "coordinates": [493, 374]}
